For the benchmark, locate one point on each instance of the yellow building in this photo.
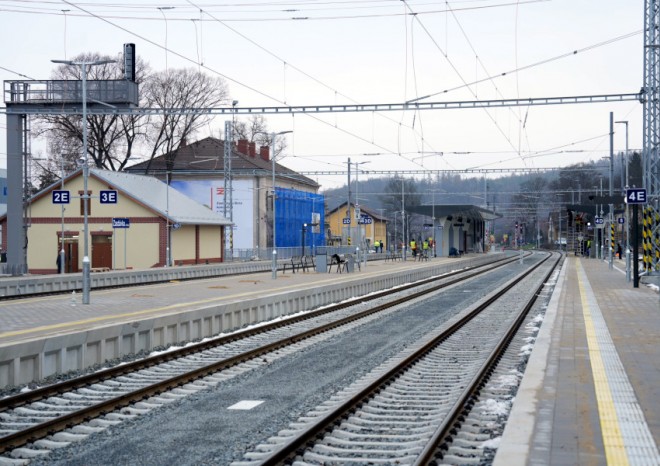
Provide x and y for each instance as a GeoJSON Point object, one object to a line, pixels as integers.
{"type": "Point", "coordinates": [370, 227]}
{"type": "Point", "coordinates": [131, 233]}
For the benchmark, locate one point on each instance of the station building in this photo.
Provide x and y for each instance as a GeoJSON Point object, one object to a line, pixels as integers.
{"type": "Point", "coordinates": [372, 226]}
{"type": "Point", "coordinates": [462, 228]}
{"type": "Point", "coordinates": [198, 171]}
{"type": "Point", "coordinates": [131, 233]}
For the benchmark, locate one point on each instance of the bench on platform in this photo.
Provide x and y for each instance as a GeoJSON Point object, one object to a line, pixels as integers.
{"type": "Point", "coordinates": [423, 256]}
{"type": "Point", "coordinates": [299, 262]}
{"type": "Point", "coordinates": [295, 263]}
{"type": "Point", "coordinates": [308, 262]}
{"type": "Point", "coordinates": [338, 260]}
{"type": "Point", "coordinates": [393, 256]}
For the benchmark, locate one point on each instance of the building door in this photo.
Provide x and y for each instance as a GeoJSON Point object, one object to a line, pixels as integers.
{"type": "Point", "coordinates": [70, 255]}
{"type": "Point", "coordinates": [101, 251]}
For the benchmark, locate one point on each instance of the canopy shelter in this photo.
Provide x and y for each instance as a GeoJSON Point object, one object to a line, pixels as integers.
{"type": "Point", "coordinates": [466, 211]}
{"type": "Point", "coordinates": [458, 228]}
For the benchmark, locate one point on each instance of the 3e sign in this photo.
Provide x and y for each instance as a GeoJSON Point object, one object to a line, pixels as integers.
{"type": "Point", "coordinates": [108, 197]}
{"type": "Point", "coordinates": [636, 196]}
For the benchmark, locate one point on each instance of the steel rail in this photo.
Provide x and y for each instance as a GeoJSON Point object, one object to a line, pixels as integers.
{"type": "Point", "coordinates": [464, 404]}
{"type": "Point", "coordinates": [133, 366]}
{"type": "Point", "coordinates": [42, 430]}
{"type": "Point", "coordinates": [291, 448]}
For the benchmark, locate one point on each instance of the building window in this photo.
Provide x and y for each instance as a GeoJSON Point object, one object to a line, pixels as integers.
{"type": "Point", "coordinates": [82, 203]}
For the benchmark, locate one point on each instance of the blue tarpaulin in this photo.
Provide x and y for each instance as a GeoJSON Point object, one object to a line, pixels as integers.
{"type": "Point", "coordinates": [294, 209]}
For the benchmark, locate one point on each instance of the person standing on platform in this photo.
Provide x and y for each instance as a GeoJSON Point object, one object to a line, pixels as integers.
{"type": "Point", "coordinates": [619, 252]}
{"type": "Point", "coordinates": [413, 248]}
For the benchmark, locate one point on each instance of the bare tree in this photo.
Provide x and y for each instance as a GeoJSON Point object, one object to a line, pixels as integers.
{"type": "Point", "coordinates": [179, 89]}
{"type": "Point", "coordinates": [111, 138]}
{"type": "Point", "coordinates": [255, 129]}
{"type": "Point", "coordinates": [114, 139]}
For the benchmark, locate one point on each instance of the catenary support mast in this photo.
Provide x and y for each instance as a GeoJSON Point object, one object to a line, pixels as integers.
{"type": "Point", "coordinates": [651, 158]}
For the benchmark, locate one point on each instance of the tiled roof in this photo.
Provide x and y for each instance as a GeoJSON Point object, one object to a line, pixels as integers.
{"type": "Point", "coordinates": [149, 192]}
{"type": "Point", "coordinates": [154, 194]}
{"type": "Point", "coordinates": [207, 155]}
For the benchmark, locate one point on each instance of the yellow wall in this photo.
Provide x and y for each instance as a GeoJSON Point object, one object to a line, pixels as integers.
{"type": "Point", "coordinates": [141, 244]}
{"type": "Point", "coordinates": [373, 231]}
{"type": "Point", "coordinates": [123, 208]}
{"type": "Point", "coordinates": [183, 243]}
{"type": "Point", "coordinates": [210, 241]}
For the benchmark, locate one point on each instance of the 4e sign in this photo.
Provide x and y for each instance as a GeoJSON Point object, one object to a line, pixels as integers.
{"type": "Point", "coordinates": [636, 196]}
{"type": "Point", "coordinates": [108, 197]}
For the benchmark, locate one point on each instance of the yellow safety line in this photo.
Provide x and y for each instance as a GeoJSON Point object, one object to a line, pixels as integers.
{"type": "Point", "coordinates": [615, 450]}
{"type": "Point", "coordinates": [164, 308]}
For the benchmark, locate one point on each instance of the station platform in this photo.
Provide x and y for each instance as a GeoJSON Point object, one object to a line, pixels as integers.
{"type": "Point", "coordinates": [43, 336]}
{"type": "Point", "coordinates": [590, 394]}
{"type": "Point", "coordinates": [47, 316]}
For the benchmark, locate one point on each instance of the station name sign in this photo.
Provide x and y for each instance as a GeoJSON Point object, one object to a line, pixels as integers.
{"type": "Point", "coordinates": [121, 223]}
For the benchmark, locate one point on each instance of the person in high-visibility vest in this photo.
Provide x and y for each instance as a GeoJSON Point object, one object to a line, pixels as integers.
{"type": "Point", "coordinates": [413, 248]}
{"type": "Point", "coordinates": [376, 245]}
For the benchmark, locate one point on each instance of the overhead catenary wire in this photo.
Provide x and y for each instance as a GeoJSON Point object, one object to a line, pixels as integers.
{"type": "Point", "coordinates": [399, 150]}
{"type": "Point", "coordinates": [285, 63]}
{"type": "Point", "coordinates": [299, 15]}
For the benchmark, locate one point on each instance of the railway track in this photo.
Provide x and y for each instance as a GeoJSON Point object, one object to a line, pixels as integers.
{"type": "Point", "coordinates": [409, 410]}
{"type": "Point", "coordinates": [33, 422]}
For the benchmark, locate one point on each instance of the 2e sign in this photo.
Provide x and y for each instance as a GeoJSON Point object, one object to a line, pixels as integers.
{"type": "Point", "coordinates": [61, 197]}
{"type": "Point", "coordinates": [108, 197]}
{"type": "Point", "coordinates": [636, 196]}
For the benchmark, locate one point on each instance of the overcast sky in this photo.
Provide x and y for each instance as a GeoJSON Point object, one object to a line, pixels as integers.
{"type": "Point", "coordinates": [306, 52]}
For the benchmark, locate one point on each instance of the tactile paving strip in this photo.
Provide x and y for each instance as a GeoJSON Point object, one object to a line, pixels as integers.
{"type": "Point", "coordinates": [626, 435]}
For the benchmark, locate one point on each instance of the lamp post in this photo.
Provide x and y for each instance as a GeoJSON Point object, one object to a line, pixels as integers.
{"type": "Point", "coordinates": [85, 196]}
{"type": "Point", "coordinates": [625, 186]}
{"type": "Point", "coordinates": [396, 212]}
{"type": "Point", "coordinates": [358, 215]}
{"type": "Point", "coordinates": [272, 158]}
{"type": "Point", "coordinates": [62, 255]}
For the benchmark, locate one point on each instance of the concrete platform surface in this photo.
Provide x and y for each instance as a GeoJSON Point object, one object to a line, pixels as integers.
{"type": "Point", "coordinates": [43, 316]}
{"type": "Point", "coordinates": [591, 391]}
{"type": "Point", "coordinates": [41, 337]}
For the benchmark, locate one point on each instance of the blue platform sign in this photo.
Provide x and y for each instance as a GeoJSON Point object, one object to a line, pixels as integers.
{"type": "Point", "coordinates": [108, 196]}
{"type": "Point", "coordinates": [121, 223]}
{"type": "Point", "coordinates": [599, 220]}
{"type": "Point", "coordinates": [346, 220]}
{"type": "Point", "coordinates": [636, 196]}
{"type": "Point", "coordinates": [61, 197]}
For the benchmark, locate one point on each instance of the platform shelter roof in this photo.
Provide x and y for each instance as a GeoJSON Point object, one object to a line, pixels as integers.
{"type": "Point", "coordinates": [456, 210]}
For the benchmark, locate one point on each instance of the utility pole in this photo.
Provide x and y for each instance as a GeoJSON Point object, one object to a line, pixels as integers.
{"type": "Point", "coordinates": [625, 186]}
{"type": "Point", "coordinates": [403, 219]}
{"type": "Point", "coordinates": [611, 191]}
{"type": "Point", "coordinates": [348, 201]}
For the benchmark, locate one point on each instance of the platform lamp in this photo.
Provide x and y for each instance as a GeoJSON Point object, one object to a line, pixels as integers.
{"type": "Point", "coordinates": [85, 196]}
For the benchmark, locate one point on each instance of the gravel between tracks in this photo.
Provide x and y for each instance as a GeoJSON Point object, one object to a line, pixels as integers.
{"type": "Point", "coordinates": [200, 430]}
